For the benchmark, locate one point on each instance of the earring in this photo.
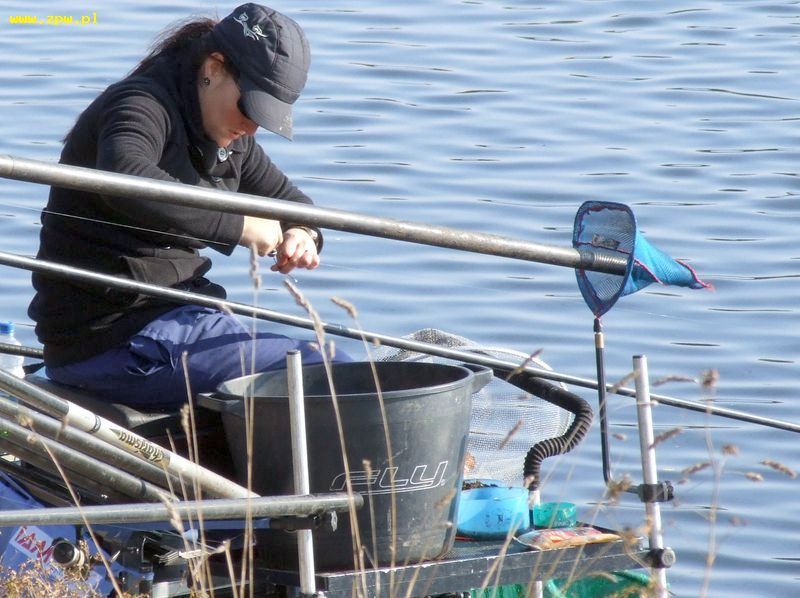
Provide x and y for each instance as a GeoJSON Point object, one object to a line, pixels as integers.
{"type": "Point", "coordinates": [206, 81]}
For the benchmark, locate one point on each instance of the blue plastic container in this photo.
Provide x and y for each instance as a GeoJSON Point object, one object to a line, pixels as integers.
{"type": "Point", "coordinates": [490, 512]}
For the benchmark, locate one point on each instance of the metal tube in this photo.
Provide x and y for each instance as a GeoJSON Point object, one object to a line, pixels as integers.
{"type": "Point", "coordinates": [297, 425]}
{"type": "Point", "coordinates": [209, 509]}
{"type": "Point", "coordinates": [89, 467]}
{"type": "Point", "coordinates": [297, 422]}
{"type": "Point", "coordinates": [86, 443]}
{"type": "Point", "coordinates": [108, 183]}
{"type": "Point", "coordinates": [78, 274]}
{"type": "Point", "coordinates": [647, 450]}
{"type": "Point", "coordinates": [599, 357]}
{"type": "Point", "coordinates": [86, 421]}
{"type": "Point", "coordinates": [42, 472]}
{"type": "Point", "coordinates": [9, 349]}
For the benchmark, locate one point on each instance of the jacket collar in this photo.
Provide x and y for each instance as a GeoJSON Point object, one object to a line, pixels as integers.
{"type": "Point", "coordinates": [207, 156]}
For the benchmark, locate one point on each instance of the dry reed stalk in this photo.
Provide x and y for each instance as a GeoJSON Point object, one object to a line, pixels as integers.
{"type": "Point", "coordinates": [351, 311]}
{"type": "Point", "coordinates": [367, 465]}
{"type": "Point", "coordinates": [231, 571]}
{"type": "Point", "coordinates": [248, 563]}
{"type": "Point", "coordinates": [76, 502]}
{"type": "Point", "coordinates": [469, 463]}
{"type": "Point", "coordinates": [510, 434]}
{"type": "Point", "coordinates": [673, 378]}
{"type": "Point", "coordinates": [709, 380]}
{"type": "Point", "coordinates": [533, 357]}
{"type": "Point", "coordinates": [189, 424]}
{"type": "Point", "coordinates": [691, 470]}
{"type": "Point", "coordinates": [617, 488]}
{"type": "Point", "coordinates": [780, 467]}
{"type": "Point", "coordinates": [413, 590]}
{"type": "Point", "coordinates": [319, 331]}
{"type": "Point", "coordinates": [664, 436]}
{"type": "Point", "coordinates": [497, 566]}
{"type": "Point", "coordinates": [622, 382]}
{"type": "Point", "coordinates": [175, 519]}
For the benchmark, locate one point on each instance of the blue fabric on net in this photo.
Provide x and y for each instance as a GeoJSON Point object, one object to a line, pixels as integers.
{"type": "Point", "coordinates": [611, 227]}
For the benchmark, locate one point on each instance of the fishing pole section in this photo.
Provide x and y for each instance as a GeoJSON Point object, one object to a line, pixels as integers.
{"type": "Point", "coordinates": [97, 181]}
{"type": "Point", "coordinates": [178, 296]}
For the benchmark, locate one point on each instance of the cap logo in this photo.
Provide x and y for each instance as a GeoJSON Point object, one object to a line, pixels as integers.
{"type": "Point", "coordinates": [251, 32]}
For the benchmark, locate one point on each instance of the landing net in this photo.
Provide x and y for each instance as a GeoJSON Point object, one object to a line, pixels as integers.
{"type": "Point", "coordinates": [506, 421]}
{"type": "Point", "coordinates": [611, 227]}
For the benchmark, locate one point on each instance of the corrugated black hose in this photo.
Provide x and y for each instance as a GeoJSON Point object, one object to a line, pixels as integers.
{"type": "Point", "coordinates": [550, 447]}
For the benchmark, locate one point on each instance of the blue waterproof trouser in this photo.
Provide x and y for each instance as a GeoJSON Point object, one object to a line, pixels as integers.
{"type": "Point", "coordinates": [149, 371]}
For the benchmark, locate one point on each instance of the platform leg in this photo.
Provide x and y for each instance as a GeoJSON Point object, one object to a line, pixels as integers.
{"type": "Point", "coordinates": [297, 422]}
{"type": "Point", "coordinates": [649, 470]}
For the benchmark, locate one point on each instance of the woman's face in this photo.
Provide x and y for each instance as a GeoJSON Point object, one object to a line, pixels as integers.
{"type": "Point", "coordinates": [222, 120]}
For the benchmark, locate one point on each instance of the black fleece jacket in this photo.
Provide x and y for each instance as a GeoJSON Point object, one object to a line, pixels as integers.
{"type": "Point", "coordinates": [146, 125]}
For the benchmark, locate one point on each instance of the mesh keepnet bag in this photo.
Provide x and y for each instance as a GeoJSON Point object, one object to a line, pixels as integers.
{"type": "Point", "coordinates": [506, 421]}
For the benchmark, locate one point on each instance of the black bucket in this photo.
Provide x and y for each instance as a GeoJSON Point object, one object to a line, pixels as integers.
{"type": "Point", "coordinates": [427, 409]}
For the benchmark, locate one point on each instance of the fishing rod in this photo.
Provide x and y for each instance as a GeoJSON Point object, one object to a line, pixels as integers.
{"type": "Point", "coordinates": [76, 416]}
{"type": "Point", "coordinates": [74, 460]}
{"type": "Point", "coordinates": [52, 428]}
{"type": "Point", "coordinates": [305, 505]}
{"type": "Point", "coordinates": [108, 183]}
{"type": "Point", "coordinates": [77, 274]}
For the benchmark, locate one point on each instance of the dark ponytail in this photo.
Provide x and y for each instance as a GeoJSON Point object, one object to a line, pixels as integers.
{"type": "Point", "coordinates": [179, 38]}
{"type": "Point", "coordinates": [190, 37]}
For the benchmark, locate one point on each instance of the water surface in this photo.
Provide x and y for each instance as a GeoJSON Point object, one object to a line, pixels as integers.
{"type": "Point", "coordinates": [504, 117]}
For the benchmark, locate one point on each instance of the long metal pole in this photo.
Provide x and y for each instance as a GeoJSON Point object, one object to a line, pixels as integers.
{"type": "Point", "coordinates": [297, 425]}
{"type": "Point", "coordinates": [70, 273]}
{"type": "Point", "coordinates": [209, 509]}
{"type": "Point", "coordinates": [108, 183]}
{"type": "Point", "coordinates": [50, 427]}
{"type": "Point", "coordinates": [83, 419]}
{"type": "Point", "coordinates": [70, 459]}
{"type": "Point", "coordinates": [644, 414]}
{"type": "Point", "coordinates": [46, 474]}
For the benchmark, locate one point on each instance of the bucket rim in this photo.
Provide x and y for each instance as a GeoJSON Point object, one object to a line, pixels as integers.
{"type": "Point", "coordinates": [469, 375]}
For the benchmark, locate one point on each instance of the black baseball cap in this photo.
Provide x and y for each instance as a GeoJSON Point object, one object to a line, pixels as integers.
{"type": "Point", "coordinates": [271, 53]}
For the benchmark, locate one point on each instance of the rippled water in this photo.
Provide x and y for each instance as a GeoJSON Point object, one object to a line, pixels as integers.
{"type": "Point", "coordinates": [503, 117]}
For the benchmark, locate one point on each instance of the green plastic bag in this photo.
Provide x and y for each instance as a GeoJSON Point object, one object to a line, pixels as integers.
{"type": "Point", "coordinates": [619, 584]}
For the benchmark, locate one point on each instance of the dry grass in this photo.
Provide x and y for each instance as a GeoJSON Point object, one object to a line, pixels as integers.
{"type": "Point", "coordinates": [34, 580]}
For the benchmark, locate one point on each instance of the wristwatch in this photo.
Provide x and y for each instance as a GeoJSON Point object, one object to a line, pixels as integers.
{"type": "Point", "coordinates": [311, 233]}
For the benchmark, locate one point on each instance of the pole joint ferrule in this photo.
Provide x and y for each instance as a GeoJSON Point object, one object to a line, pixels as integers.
{"type": "Point", "coordinates": [658, 492]}
{"type": "Point", "coordinates": [661, 558]}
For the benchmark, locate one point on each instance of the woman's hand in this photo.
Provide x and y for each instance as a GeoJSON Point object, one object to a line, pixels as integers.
{"type": "Point", "coordinates": [297, 250]}
{"type": "Point", "coordinates": [262, 234]}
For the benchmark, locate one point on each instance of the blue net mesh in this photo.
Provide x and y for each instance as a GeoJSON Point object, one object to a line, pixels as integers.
{"type": "Point", "coordinates": [611, 227]}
